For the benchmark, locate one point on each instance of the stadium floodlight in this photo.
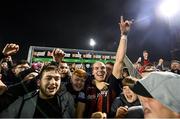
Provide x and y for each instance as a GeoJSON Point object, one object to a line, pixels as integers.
{"type": "Point", "coordinates": [169, 8]}
{"type": "Point", "coordinates": [92, 43]}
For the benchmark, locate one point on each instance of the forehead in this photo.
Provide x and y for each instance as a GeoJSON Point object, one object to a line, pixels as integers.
{"type": "Point", "coordinates": [4, 63]}
{"type": "Point", "coordinates": [51, 73]}
{"type": "Point", "coordinates": [175, 63]}
{"type": "Point", "coordinates": [99, 64]}
{"type": "Point", "coordinates": [145, 53]}
{"type": "Point", "coordinates": [125, 87]}
{"type": "Point", "coordinates": [22, 65]}
{"type": "Point", "coordinates": [78, 77]}
{"type": "Point", "coordinates": [26, 64]}
{"type": "Point", "coordinates": [64, 64]}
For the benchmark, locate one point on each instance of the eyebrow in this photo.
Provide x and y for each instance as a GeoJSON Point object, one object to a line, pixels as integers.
{"type": "Point", "coordinates": [52, 76]}
{"type": "Point", "coordinates": [81, 78]}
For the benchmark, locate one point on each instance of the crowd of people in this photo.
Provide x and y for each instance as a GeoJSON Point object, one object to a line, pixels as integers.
{"type": "Point", "coordinates": [112, 90]}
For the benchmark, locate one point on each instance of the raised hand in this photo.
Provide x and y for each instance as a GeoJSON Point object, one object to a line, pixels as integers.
{"type": "Point", "coordinates": [124, 26]}
{"type": "Point", "coordinates": [160, 61]}
{"type": "Point", "coordinates": [139, 60]}
{"type": "Point", "coordinates": [10, 49]}
{"type": "Point", "coordinates": [58, 54]}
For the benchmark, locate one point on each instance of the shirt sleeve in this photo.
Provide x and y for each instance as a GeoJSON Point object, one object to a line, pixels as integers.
{"type": "Point", "coordinates": [115, 84]}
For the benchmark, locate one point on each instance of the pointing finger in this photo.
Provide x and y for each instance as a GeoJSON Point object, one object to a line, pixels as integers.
{"type": "Point", "coordinates": [122, 20]}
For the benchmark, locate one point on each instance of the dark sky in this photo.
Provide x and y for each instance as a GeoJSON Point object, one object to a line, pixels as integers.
{"type": "Point", "coordinates": [71, 23]}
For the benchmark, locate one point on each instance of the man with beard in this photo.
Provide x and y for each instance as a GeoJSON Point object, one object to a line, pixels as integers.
{"type": "Point", "coordinates": [74, 84]}
{"type": "Point", "coordinates": [48, 102]}
{"type": "Point", "coordinates": [100, 94]}
{"type": "Point", "coordinates": [65, 72]}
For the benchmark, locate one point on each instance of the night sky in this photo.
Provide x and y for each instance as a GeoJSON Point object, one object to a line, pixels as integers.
{"type": "Point", "coordinates": [71, 23]}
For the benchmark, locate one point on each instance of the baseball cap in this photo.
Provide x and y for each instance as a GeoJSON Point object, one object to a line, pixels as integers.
{"type": "Point", "coordinates": [162, 86]}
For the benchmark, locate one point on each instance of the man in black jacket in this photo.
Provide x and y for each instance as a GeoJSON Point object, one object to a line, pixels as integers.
{"type": "Point", "coordinates": [48, 102]}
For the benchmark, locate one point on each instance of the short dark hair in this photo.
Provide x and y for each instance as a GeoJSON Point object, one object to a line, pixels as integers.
{"type": "Point", "coordinates": [128, 82]}
{"type": "Point", "coordinates": [21, 62]}
{"type": "Point", "coordinates": [47, 68]}
{"type": "Point", "coordinates": [110, 63]}
{"type": "Point", "coordinates": [125, 69]}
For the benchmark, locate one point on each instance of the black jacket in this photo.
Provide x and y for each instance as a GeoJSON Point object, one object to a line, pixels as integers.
{"type": "Point", "coordinates": [24, 107]}
{"type": "Point", "coordinates": [121, 101]}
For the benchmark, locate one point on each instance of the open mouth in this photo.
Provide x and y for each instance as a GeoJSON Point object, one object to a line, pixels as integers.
{"type": "Point", "coordinates": [100, 76]}
{"type": "Point", "coordinates": [129, 96]}
{"type": "Point", "coordinates": [51, 89]}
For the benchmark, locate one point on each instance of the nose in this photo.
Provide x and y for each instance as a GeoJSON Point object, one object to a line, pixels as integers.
{"type": "Point", "coordinates": [128, 91]}
{"type": "Point", "coordinates": [79, 82]}
{"type": "Point", "coordinates": [52, 81]}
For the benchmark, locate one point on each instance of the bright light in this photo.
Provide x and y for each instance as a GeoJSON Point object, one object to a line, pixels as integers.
{"type": "Point", "coordinates": [169, 8]}
{"type": "Point", "coordinates": [92, 42]}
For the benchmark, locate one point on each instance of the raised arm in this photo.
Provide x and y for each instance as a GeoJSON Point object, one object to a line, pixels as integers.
{"type": "Point", "coordinates": [9, 50]}
{"type": "Point", "coordinates": [58, 55]}
{"type": "Point", "coordinates": [121, 51]}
